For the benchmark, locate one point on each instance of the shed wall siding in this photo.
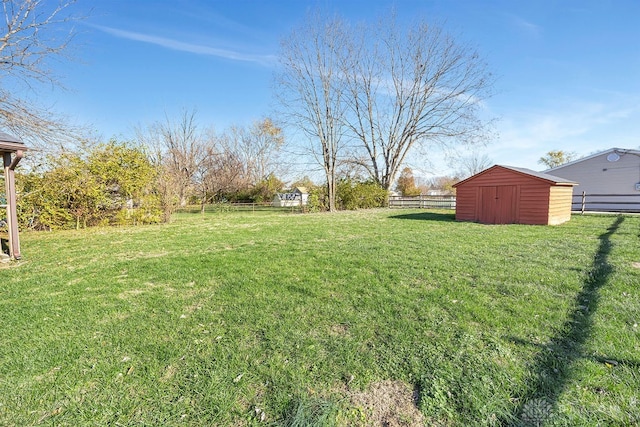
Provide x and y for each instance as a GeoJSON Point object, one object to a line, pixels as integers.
{"type": "Point", "coordinates": [534, 203]}
{"type": "Point", "coordinates": [559, 205]}
{"type": "Point", "coordinates": [466, 203]}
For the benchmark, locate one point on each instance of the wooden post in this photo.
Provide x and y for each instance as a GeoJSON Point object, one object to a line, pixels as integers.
{"type": "Point", "coordinates": [584, 200]}
{"type": "Point", "coordinates": [12, 215]}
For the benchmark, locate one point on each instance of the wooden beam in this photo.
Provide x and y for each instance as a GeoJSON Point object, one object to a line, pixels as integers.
{"type": "Point", "coordinates": [12, 213]}
{"type": "Point", "coordinates": [16, 159]}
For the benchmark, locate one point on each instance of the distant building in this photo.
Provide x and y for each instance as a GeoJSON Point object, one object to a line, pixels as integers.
{"type": "Point", "coordinates": [298, 197]}
{"type": "Point", "coordinates": [611, 177]}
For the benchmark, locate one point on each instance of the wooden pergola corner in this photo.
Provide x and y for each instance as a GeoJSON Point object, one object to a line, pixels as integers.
{"type": "Point", "coordinates": [12, 151]}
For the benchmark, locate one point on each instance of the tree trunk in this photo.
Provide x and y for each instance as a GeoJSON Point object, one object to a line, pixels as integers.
{"type": "Point", "coordinates": [331, 193]}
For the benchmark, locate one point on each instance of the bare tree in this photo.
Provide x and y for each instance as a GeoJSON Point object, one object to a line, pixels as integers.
{"type": "Point", "coordinates": [222, 174]}
{"type": "Point", "coordinates": [258, 148]}
{"type": "Point", "coordinates": [472, 164]}
{"type": "Point", "coordinates": [202, 165]}
{"type": "Point", "coordinates": [33, 33]}
{"type": "Point", "coordinates": [311, 90]}
{"type": "Point", "coordinates": [185, 151]}
{"type": "Point", "coordinates": [179, 150]}
{"type": "Point", "coordinates": [442, 184]}
{"type": "Point", "coordinates": [411, 86]}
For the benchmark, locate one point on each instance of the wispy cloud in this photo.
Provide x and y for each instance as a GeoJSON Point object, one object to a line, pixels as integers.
{"type": "Point", "coordinates": [573, 120]}
{"type": "Point", "coordinates": [525, 26]}
{"type": "Point", "coordinates": [582, 127]}
{"type": "Point", "coordinates": [198, 49]}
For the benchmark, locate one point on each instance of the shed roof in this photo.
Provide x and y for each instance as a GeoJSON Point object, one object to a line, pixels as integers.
{"type": "Point", "coordinates": [551, 179]}
{"type": "Point", "coordinates": [10, 143]}
{"type": "Point", "coordinates": [301, 190]}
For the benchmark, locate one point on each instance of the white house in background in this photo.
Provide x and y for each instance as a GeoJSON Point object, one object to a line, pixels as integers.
{"type": "Point", "coordinates": [611, 176]}
{"type": "Point", "coordinates": [298, 197]}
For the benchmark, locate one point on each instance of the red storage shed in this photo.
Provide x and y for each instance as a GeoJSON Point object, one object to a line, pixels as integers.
{"type": "Point", "coordinates": [510, 195]}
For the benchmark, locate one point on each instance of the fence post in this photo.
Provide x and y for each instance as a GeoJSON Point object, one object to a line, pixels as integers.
{"type": "Point", "coordinates": [584, 199]}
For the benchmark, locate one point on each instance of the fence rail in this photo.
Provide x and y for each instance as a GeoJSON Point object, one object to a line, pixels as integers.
{"type": "Point", "coordinates": [423, 202]}
{"type": "Point", "coordinates": [606, 202]}
{"type": "Point", "coordinates": [238, 207]}
{"type": "Point", "coordinates": [580, 203]}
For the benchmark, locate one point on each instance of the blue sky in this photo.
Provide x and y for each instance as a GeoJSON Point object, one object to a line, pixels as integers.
{"type": "Point", "coordinates": [568, 71]}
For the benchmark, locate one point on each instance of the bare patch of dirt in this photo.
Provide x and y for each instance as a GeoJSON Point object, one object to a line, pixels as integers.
{"type": "Point", "coordinates": [169, 373]}
{"type": "Point", "coordinates": [635, 264]}
{"type": "Point", "coordinates": [141, 255]}
{"type": "Point", "coordinates": [388, 404]}
{"type": "Point", "coordinates": [130, 293]}
{"type": "Point", "coordinates": [8, 263]}
{"type": "Point", "coordinates": [339, 329]}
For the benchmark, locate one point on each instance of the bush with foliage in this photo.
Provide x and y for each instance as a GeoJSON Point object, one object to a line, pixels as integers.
{"type": "Point", "coordinates": [315, 202]}
{"type": "Point", "coordinates": [266, 189]}
{"type": "Point", "coordinates": [107, 184]}
{"type": "Point", "coordinates": [353, 194]}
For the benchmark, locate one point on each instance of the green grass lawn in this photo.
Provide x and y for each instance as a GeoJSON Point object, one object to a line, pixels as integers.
{"type": "Point", "coordinates": [259, 318]}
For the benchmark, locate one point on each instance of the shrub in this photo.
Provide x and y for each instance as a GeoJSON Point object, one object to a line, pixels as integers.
{"type": "Point", "coordinates": [108, 184]}
{"type": "Point", "coordinates": [353, 195]}
{"type": "Point", "coordinates": [315, 202]}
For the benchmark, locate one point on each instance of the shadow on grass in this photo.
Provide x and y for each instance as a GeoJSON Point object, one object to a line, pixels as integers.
{"type": "Point", "coordinates": [427, 216]}
{"type": "Point", "coordinates": [610, 360]}
{"type": "Point", "coordinates": [553, 365]}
